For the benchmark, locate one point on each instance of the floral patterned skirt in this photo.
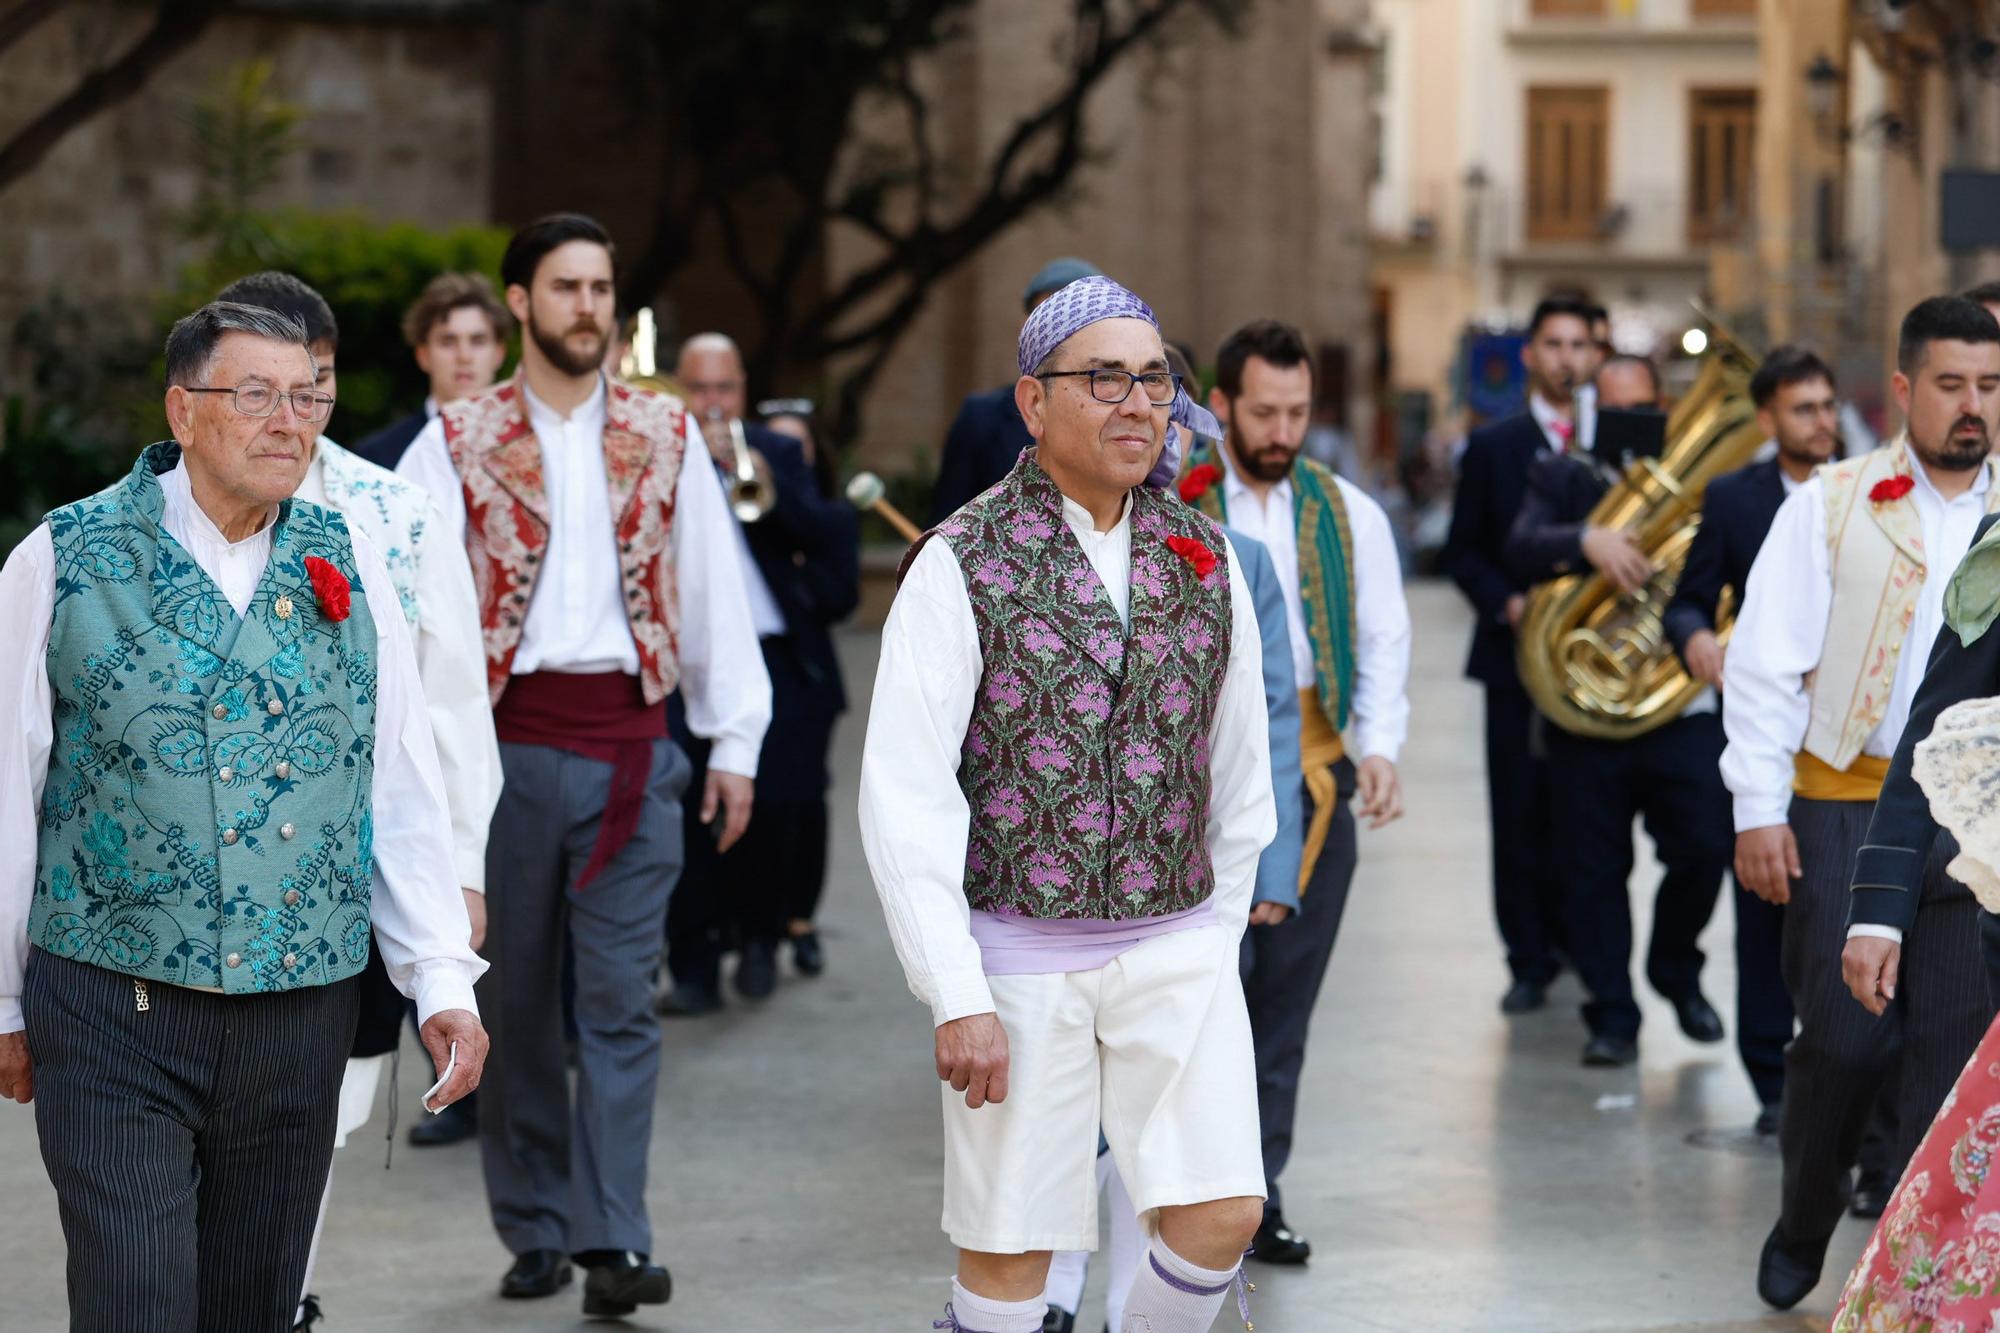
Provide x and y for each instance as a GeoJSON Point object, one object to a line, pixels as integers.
{"type": "Point", "coordinates": [1933, 1264]}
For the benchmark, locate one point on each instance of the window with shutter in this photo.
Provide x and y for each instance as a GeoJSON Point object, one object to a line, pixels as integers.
{"type": "Point", "coordinates": [1722, 134]}
{"type": "Point", "coordinates": [1568, 138]}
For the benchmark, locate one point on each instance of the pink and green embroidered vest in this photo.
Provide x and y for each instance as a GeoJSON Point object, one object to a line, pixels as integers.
{"type": "Point", "coordinates": [1086, 761]}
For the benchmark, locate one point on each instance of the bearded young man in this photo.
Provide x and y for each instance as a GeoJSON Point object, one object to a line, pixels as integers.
{"type": "Point", "coordinates": [604, 554]}
{"type": "Point", "coordinates": [1844, 602]}
{"type": "Point", "coordinates": [1064, 792]}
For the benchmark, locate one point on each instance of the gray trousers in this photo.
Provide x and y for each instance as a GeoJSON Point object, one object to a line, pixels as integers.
{"type": "Point", "coordinates": [561, 1176]}
{"type": "Point", "coordinates": [1283, 966]}
{"type": "Point", "coordinates": [1843, 1055]}
{"type": "Point", "coordinates": [188, 1143]}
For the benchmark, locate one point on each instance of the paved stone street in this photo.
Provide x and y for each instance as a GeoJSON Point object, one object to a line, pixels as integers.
{"type": "Point", "coordinates": [1455, 1171]}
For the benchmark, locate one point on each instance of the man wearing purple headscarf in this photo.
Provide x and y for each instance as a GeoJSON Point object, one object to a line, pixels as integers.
{"type": "Point", "coordinates": [1064, 791]}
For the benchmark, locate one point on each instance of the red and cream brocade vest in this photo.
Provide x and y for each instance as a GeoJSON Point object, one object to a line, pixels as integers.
{"type": "Point", "coordinates": [499, 462]}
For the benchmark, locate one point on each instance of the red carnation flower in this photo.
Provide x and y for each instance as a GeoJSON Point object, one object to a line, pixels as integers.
{"type": "Point", "coordinates": [1192, 551]}
{"type": "Point", "coordinates": [1196, 483]}
{"type": "Point", "coordinates": [1891, 488]}
{"type": "Point", "coordinates": [330, 587]}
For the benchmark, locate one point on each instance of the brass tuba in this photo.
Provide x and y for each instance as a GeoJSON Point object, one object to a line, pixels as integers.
{"type": "Point", "coordinates": [1596, 661]}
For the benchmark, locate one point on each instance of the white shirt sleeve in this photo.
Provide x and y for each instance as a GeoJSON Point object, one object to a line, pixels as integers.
{"type": "Point", "coordinates": [427, 462]}
{"type": "Point", "coordinates": [1776, 643]}
{"type": "Point", "coordinates": [723, 681]}
{"type": "Point", "coordinates": [1242, 812]}
{"type": "Point", "coordinates": [1382, 631]}
{"type": "Point", "coordinates": [417, 910]}
{"type": "Point", "coordinates": [27, 712]}
{"type": "Point", "coordinates": [914, 818]}
{"type": "Point", "coordinates": [451, 659]}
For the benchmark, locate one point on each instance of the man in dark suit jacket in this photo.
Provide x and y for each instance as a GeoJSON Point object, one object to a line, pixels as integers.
{"type": "Point", "coordinates": [987, 435]}
{"type": "Point", "coordinates": [803, 575]}
{"type": "Point", "coordinates": [1799, 411]}
{"type": "Point", "coordinates": [458, 330]}
{"type": "Point", "coordinates": [1559, 357]}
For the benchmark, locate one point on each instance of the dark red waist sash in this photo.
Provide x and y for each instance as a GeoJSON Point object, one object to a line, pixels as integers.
{"type": "Point", "coordinates": [601, 716]}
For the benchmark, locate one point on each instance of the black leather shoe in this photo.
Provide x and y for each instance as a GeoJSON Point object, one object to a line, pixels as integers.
{"type": "Point", "coordinates": [1871, 1195]}
{"type": "Point", "coordinates": [1604, 1051]}
{"type": "Point", "coordinates": [1698, 1019]}
{"type": "Point", "coordinates": [688, 1001]}
{"type": "Point", "coordinates": [757, 971]}
{"type": "Point", "coordinates": [1276, 1243]}
{"type": "Point", "coordinates": [1058, 1320]}
{"type": "Point", "coordinates": [536, 1273]}
{"type": "Point", "coordinates": [455, 1124]}
{"type": "Point", "coordinates": [807, 956]}
{"type": "Point", "coordinates": [1786, 1271]}
{"type": "Point", "coordinates": [309, 1313]}
{"type": "Point", "coordinates": [620, 1281]}
{"type": "Point", "coordinates": [1768, 1121]}
{"type": "Point", "coordinates": [1523, 997]}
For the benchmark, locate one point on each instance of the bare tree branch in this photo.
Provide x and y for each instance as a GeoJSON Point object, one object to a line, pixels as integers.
{"type": "Point", "coordinates": [176, 26]}
{"type": "Point", "coordinates": [23, 18]}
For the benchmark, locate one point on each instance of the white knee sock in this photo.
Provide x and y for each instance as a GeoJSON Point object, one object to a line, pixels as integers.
{"type": "Point", "coordinates": [1126, 1252]}
{"type": "Point", "coordinates": [1068, 1271]}
{"type": "Point", "coordinates": [983, 1314]}
{"type": "Point", "coordinates": [1171, 1295]}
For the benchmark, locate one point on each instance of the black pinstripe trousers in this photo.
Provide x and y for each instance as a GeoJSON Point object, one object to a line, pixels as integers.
{"type": "Point", "coordinates": [188, 1143]}
{"type": "Point", "coordinates": [1842, 1054]}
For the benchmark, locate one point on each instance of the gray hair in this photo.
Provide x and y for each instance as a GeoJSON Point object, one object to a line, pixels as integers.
{"type": "Point", "coordinates": [191, 345]}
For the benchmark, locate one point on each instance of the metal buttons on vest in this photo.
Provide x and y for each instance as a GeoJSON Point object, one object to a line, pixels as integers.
{"type": "Point", "coordinates": [291, 897]}
{"type": "Point", "coordinates": [218, 712]}
{"type": "Point", "coordinates": [287, 831]}
{"type": "Point", "coordinates": [275, 708]}
{"type": "Point", "coordinates": [229, 837]}
{"type": "Point", "coordinates": [284, 769]}
{"type": "Point", "coordinates": [291, 960]}
{"type": "Point", "coordinates": [234, 960]}
{"type": "Point", "coordinates": [283, 607]}
{"type": "Point", "coordinates": [225, 773]}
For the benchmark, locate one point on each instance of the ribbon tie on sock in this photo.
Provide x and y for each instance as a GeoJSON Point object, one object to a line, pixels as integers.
{"type": "Point", "coordinates": [950, 1321]}
{"type": "Point", "coordinates": [1237, 1280]}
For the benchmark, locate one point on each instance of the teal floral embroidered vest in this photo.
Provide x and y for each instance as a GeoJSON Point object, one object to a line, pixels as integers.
{"type": "Point", "coordinates": [1086, 761]}
{"type": "Point", "coordinates": [206, 816]}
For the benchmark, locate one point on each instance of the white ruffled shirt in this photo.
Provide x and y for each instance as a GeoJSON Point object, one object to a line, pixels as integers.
{"type": "Point", "coordinates": [417, 910]}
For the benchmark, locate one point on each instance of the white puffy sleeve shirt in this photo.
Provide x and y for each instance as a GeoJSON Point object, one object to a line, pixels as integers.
{"type": "Point", "coordinates": [915, 821]}
{"type": "Point", "coordinates": [418, 912]}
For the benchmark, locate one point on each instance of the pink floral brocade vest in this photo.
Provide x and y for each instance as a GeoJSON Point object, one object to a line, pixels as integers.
{"type": "Point", "coordinates": [1086, 762]}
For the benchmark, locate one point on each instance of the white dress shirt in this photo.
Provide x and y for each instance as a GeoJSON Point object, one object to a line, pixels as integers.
{"type": "Point", "coordinates": [1380, 712]}
{"type": "Point", "coordinates": [451, 663]}
{"type": "Point", "coordinates": [1782, 629]}
{"type": "Point", "coordinates": [576, 619]}
{"type": "Point", "coordinates": [1581, 422]}
{"type": "Point", "coordinates": [417, 910]}
{"type": "Point", "coordinates": [914, 818]}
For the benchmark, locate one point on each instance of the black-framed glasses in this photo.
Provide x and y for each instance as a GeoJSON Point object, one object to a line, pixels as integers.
{"type": "Point", "coordinates": [1115, 386]}
{"type": "Point", "coordinates": [261, 400]}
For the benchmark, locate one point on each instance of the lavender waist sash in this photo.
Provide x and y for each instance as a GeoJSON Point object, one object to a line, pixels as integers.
{"type": "Point", "coordinates": [1010, 945]}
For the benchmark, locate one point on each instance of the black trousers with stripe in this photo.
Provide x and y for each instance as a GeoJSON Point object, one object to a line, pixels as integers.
{"type": "Point", "coordinates": [188, 1143]}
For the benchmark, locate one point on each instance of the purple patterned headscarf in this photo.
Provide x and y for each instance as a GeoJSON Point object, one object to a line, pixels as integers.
{"type": "Point", "coordinates": [1083, 303]}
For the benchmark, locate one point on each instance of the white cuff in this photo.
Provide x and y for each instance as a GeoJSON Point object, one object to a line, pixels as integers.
{"type": "Point", "coordinates": [1372, 747]}
{"type": "Point", "coordinates": [960, 995]}
{"type": "Point", "coordinates": [442, 984]}
{"type": "Point", "coordinates": [10, 1015]}
{"type": "Point", "coordinates": [1762, 812]}
{"type": "Point", "coordinates": [1889, 933]}
{"type": "Point", "coordinates": [731, 755]}
{"type": "Point", "coordinates": [471, 871]}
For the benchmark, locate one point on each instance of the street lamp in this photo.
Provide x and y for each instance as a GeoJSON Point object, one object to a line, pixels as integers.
{"type": "Point", "coordinates": [1823, 80]}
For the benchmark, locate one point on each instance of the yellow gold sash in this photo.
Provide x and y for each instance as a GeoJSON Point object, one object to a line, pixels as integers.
{"type": "Point", "coordinates": [1817, 780]}
{"type": "Point", "coordinates": [1320, 748]}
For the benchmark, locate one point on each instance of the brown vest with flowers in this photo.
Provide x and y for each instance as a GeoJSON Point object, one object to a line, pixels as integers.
{"type": "Point", "coordinates": [499, 462]}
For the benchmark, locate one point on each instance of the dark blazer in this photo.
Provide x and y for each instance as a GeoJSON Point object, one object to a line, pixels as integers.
{"type": "Point", "coordinates": [1492, 476]}
{"type": "Point", "coordinates": [1889, 869]}
{"type": "Point", "coordinates": [1546, 541]}
{"type": "Point", "coordinates": [984, 442]}
{"type": "Point", "coordinates": [1736, 513]}
{"type": "Point", "coordinates": [385, 447]}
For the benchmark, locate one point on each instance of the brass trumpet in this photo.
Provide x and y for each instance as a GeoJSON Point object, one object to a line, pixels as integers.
{"type": "Point", "coordinates": [867, 493]}
{"type": "Point", "coordinates": [751, 492]}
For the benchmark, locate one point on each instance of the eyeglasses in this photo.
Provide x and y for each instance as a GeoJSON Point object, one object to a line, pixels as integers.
{"type": "Point", "coordinates": [1115, 386]}
{"type": "Point", "coordinates": [261, 400]}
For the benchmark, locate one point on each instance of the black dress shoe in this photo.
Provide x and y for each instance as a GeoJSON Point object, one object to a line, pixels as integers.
{"type": "Point", "coordinates": [309, 1313]}
{"type": "Point", "coordinates": [1276, 1243]}
{"type": "Point", "coordinates": [1605, 1051]}
{"type": "Point", "coordinates": [620, 1281]}
{"type": "Point", "coordinates": [757, 971]}
{"type": "Point", "coordinates": [536, 1273]}
{"type": "Point", "coordinates": [1871, 1195]}
{"type": "Point", "coordinates": [455, 1124]}
{"type": "Point", "coordinates": [1787, 1271]}
{"type": "Point", "coordinates": [1058, 1320]}
{"type": "Point", "coordinates": [1523, 997]}
{"type": "Point", "coordinates": [807, 956]}
{"type": "Point", "coordinates": [1698, 1019]}
{"type": "Point", "coordinates": [688, 1001]}
{"type": "Point", "coordinates": [1768, 1121]}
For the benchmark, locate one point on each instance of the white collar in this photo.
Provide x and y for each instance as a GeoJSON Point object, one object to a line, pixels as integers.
{"type": "Point", "coordinates": [177, 492]}
{"type": "Point", "coordinates": [1234, 487]}
{"type": "Point", "coordinates": [430, 406]}
{"type": "Point", "coordinates": [588, 414]}
{"type": "Point", "coordinates": [1980, 483]}
{"type": "Point", "coordinates": [1081, 522]}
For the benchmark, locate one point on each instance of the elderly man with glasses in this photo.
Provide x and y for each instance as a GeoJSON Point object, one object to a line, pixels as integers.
{"type": "Point", "coordinates": [217, 774]}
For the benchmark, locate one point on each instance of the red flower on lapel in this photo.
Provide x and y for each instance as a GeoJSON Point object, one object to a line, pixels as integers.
{"type": "Point", "coordinates": [1200, 557]}
{"type": "Point", "coordinates": [1891, 488]}
{"type": "Point", "coordinates": [1196, 483]}
{"type": "Point", "coordinates": [330, 587]}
